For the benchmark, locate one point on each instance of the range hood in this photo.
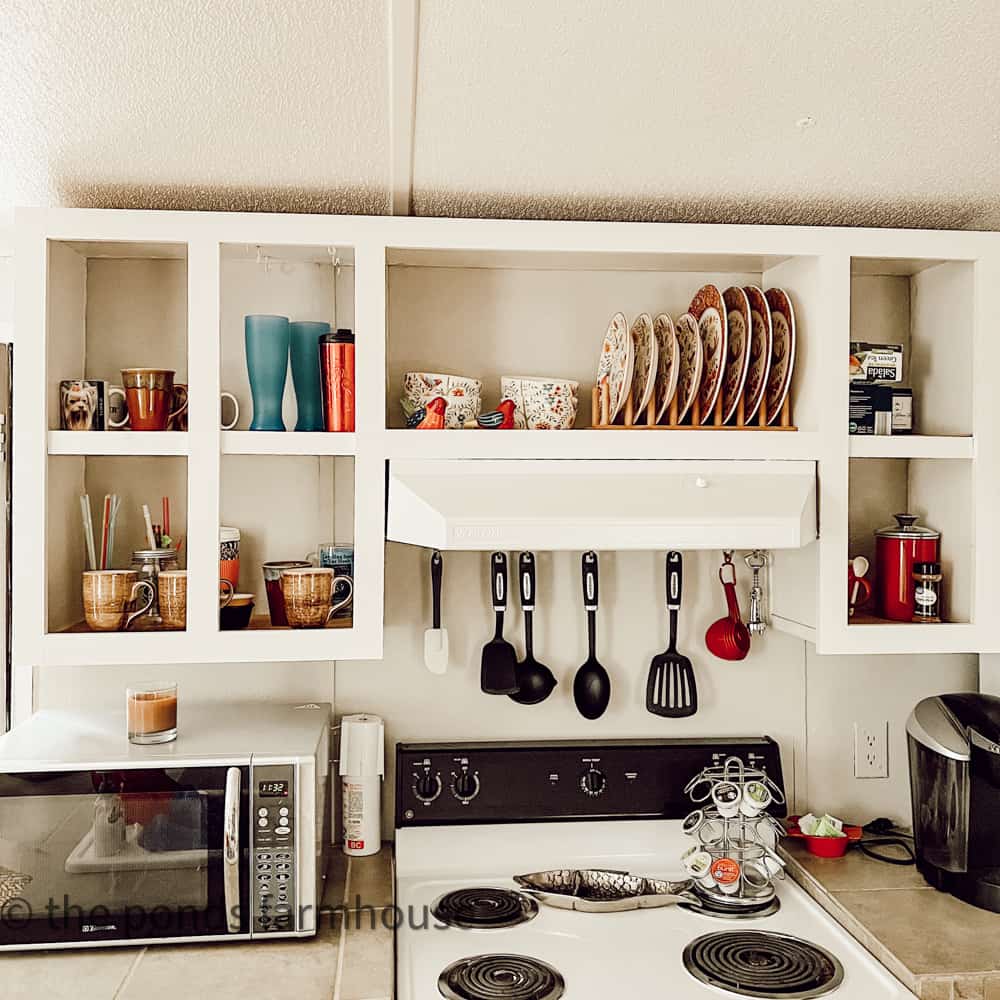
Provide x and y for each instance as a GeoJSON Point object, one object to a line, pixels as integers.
{"type": "Point", "coordinates": [570, 504]}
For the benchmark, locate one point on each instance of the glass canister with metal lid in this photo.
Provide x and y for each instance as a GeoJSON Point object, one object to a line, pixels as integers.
{"type": "Point", "coordinates": [149, 564]}
{"type": "Point", "coordinates": [897, 548]}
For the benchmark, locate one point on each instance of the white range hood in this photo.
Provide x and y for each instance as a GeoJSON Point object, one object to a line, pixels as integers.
{"type": "Point", "coordinates": [570, 504]}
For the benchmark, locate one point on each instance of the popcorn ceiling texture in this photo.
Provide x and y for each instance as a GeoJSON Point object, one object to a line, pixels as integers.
{"type": "Point", "coordinates": [830, 112]}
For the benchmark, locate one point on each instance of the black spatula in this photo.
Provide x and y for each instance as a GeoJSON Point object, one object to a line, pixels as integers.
{"type": "Point", "coordinates": [670, 689]}
{"type": "Point", "coordinates": [498, 674]}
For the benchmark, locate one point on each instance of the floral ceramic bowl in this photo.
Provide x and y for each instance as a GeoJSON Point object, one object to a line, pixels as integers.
{"type": "Point", "coordinates": [463, 395]}
{"type": "Point", "coordinates": [541, 404]}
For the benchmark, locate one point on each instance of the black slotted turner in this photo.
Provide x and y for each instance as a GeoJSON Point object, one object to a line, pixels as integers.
{"type": "Point", "coordinates": [671, 690]}
{"type": "Point", "coordinates": [498, 672]}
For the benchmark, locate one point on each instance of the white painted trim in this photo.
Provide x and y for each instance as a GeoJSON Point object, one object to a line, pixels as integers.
{"type": "Point", "coordinates": [286, 443]}
{"type": "Point", "coordinates": [911, 446]}
{"type": "Point", "coordinates": [118, 443]}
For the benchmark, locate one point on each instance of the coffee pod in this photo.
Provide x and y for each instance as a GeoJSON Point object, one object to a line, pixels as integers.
{"type": "Point", "coordinates": [726, 875]}
{"type": "Point", "coordinates": [727, 798]}
{"type": "Point", "coordinates": [698, 864]}
{"type": "Point", "coordinates": [756, 798]}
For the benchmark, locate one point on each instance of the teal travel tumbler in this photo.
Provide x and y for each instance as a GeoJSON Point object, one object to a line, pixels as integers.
{"type": "Point", "coordinates": [267, 367]}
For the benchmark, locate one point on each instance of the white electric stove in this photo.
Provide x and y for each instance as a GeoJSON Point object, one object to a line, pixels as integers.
{"type": "Point", "coordinates": [471, 817]}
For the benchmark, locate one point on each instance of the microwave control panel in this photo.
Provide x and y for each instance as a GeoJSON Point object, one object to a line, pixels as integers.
{"type": "Point", "coordinates": [273, 822]}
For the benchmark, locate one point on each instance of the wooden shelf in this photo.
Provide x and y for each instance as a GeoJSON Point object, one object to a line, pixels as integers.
{"type": "Point", "coordinates": [910, 446]}
{"type": "Point", "coordinates": [262, 623]}
{"type": "Point", "coordinates": [287, 443]}
{"type": "Point", "coordinates": [122, 442]}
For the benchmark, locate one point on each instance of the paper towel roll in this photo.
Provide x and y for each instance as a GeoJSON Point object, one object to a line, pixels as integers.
{"type": "Point", "coordinates": [362, 767]}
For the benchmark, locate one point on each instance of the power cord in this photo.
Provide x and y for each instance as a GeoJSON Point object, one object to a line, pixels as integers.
{"type": "Point", "coordinates": [882, 832]}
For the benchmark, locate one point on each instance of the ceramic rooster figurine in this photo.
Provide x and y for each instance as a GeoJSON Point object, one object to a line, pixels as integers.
{"type": "Point", "coordinates": [500, 419]}
{"type": "Point", "coordinates": [431, 417]}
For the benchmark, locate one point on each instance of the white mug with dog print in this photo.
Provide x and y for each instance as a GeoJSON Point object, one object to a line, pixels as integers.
{"type": "Point", "coordinates": [89, 404]}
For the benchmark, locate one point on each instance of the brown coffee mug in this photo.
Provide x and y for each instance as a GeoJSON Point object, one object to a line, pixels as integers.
{"type": "Point", "coordinates": [107, 596]}
{"type": "Point", "coordinates": [308, 594]}
{"type": "Point", "coordinates": [153, 400]}
{"type": "Point", "coordinates": [173, 597]}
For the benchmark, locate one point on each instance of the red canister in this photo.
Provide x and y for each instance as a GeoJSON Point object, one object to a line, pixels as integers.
{"type": "Point", "coordinates": [336, 356]}
{"type": "Point", "coordinates": [897, 548]}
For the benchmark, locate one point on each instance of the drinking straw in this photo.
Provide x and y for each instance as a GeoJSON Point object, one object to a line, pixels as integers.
{"type": "Point", "coordinates": [166, 515]}
{"type": "Point", "coordinates": [105, 527]}
{"type": "Point", "coordinates": [88, 530]}
{"type": "Point", "coordinates": [115, 503]}
{"type": "Point", "coordinates": [150, 537]}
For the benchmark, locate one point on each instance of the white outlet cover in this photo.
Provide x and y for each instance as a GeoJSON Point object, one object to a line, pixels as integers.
{"type": "Point", "coordinates": [871, 749]}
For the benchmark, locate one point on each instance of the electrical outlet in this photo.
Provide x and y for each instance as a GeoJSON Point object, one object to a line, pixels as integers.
{"type": "Point", "coordinates": [871, 755]}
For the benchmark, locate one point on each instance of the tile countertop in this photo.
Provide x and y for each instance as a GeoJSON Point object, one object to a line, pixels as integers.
{"type": "Point", "coordinates": [351, 958]}
{"type": "Point", "coordinates": [936, 945]}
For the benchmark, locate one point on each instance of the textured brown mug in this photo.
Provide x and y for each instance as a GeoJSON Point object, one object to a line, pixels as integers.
{"type": "Point", "coordinates": [308, 594]}
{"type": "Point", "coordinates": [107, 596]}
{"type": "Point", "coordinates": [173, 597]}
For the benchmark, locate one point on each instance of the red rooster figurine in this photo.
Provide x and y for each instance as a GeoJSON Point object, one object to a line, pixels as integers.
{"type": "Point", "coordinates": [500, 419]}
{"type": "Point", "coordinates": [434, 417]}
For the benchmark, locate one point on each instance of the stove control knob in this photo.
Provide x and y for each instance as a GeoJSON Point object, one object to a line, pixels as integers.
{"type": "Point", "coordinates": [427, 786]}
{"type": "Point", "coordinates": [465, 785]}
{"type": "Point", "coordinates": [593, 782]}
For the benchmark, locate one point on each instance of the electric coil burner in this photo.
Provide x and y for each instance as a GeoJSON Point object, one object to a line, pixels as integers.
{"type": "Point", "coordinates": [500, 977]}
{"type": "Point", "coordinates": [484, 907]}
{"type": "Point", "coordinates": [716, 908]}
{"type": "Point", "coordinates": [762, 964]}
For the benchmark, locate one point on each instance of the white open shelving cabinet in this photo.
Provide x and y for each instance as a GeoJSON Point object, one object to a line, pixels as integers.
{"type": "Point", "coordinates": [487, 298]}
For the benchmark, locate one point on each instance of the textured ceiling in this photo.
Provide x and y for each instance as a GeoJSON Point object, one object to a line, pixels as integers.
{"type": "Point", "coordinates": [833, 112]}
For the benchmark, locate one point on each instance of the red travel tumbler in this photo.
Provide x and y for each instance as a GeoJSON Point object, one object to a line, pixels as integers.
{"type": "Point", "coordinates": [336, 356]}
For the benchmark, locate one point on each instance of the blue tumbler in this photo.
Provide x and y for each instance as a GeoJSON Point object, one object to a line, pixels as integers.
{"type": "Point", "coordinates": [305, 336]}
{"type": "Point", "coordinates": [267, 367]}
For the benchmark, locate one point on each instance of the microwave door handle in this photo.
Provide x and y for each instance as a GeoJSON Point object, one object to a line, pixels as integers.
{"type": "Point", "coordinates": [231, 850]}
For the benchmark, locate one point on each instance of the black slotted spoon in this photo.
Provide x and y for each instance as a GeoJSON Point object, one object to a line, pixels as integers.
{"type": "Point", "coordinates": [671, 690]}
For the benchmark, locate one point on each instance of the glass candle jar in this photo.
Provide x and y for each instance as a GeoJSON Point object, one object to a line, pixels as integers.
{"type": "Point", "coordinates": [151, 711]}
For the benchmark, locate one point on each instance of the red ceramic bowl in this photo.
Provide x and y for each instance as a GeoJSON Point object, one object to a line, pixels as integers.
{"type": "Point", "coordinates": [825, 847]}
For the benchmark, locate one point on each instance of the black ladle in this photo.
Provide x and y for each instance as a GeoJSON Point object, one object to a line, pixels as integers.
{"type": "Point", "coordinates": [592, 685]}
{"type": "Point", "coordinates": [534, 680]}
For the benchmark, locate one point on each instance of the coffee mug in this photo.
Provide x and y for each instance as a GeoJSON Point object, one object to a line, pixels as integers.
{"type": "Point", "coordinates": [308, 595]}
{"type": "Point", "coordinates": [339, 558]}
{"type": "Point", "coordinates": [236, 412]}
{"type": "Point", "coordinates": [229, 555]}
{"type": "Point", "coordinates": [151, 397]}
{"type": "Point", "coordinates": [272, 585]}
{"type": "Point", "coordinates": [237, 613]}
{"type": "Point", "coordinates": [173, 597]}
{"type": "Point", "coordinates": [859, 589]}
{"type": "Point", "coordinates": [89, 404]}
{"type": "Point", "coordinates": [107, 596]}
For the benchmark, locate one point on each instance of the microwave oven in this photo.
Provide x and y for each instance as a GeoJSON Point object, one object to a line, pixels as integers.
{"type": "Point", "coordinates": [221, 835]}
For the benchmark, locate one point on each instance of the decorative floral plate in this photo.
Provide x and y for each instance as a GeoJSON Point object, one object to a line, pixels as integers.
{"type": "Point", "coordinates": [707, 297]}
{"type": "Point", "coordinates": [782, 351]}
{"type": "Point", "coordinates": [760, 352]}
{"type": "Point", "coordinates": [615, 366]}
{"type": "Point", "coordinates": [644, 368]}
{"type": "Point", "coordinates": [689, 363]}
{"type": "Point", "coordinates": [712, 329]}
{"type": "Point", "coordinates": [737, 355]}
{"type": "Point", "coordinates": [667, 363]}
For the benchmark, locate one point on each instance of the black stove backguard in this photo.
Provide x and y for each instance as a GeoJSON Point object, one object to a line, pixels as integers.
{"type": "Point", "coordinates": [441, 784]}
{"type": "Point", "coordinates": [954, 751]}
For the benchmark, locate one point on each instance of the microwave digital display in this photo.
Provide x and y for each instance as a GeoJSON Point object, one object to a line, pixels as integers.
{"type": "Point", "coordinates": [272, 789]}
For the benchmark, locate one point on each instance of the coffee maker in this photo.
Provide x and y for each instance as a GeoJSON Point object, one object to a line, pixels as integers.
{"type": "Point", "coordinates": [954, 750]}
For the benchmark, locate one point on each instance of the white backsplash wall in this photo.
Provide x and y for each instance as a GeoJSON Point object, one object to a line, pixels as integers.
{"type": "Point", "coordinates": [763, 694]}
{"type": "Point", "coordinates": [103, 688]}
{"type": "Point", "coordinates": [806, 702]}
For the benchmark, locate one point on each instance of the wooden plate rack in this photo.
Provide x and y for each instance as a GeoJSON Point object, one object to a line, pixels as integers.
{"type": "Point", "coordinates": [601, 407]}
